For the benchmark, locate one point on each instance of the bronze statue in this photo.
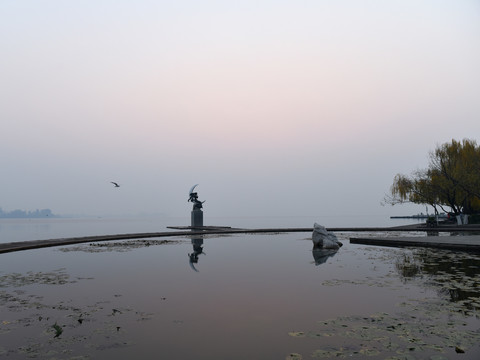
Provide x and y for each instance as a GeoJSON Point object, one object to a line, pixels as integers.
{"type": "Point", "coordinates": [193, 197]}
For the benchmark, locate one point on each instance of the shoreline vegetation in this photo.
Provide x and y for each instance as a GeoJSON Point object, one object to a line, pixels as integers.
{"type": "Point", "coordinates": [22, 214]}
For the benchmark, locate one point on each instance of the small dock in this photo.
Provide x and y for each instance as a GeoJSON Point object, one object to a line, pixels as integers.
{"type": "Point", "coordinates": [470, 243]}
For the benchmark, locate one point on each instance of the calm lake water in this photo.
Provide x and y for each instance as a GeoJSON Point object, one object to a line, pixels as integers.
{"type": "Point", "coordinates": [237, 297]}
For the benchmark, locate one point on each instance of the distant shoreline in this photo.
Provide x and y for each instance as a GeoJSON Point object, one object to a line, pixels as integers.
{"type": "Point", "coordinates": [22, 214]}
{"type": "Point", "coordinates": [30, 217]}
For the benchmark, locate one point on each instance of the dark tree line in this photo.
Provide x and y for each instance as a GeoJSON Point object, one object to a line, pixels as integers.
{"type": "Point", "coordinates": [26, 214]}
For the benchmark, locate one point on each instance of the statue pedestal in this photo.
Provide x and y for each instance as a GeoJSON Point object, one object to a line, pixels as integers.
{"type": "Point", "coordinates": [197, 218]}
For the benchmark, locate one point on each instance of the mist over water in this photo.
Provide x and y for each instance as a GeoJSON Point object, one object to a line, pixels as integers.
{"type": "Point", "coordinates": [274, 108]}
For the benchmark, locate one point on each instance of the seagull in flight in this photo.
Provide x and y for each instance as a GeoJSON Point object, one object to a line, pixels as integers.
{"type": "Point", "coordinates": [115, 184]}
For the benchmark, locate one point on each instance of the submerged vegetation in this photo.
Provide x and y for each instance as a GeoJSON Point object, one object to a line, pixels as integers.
{"type": "Point", "coordinates": [437, 326]}
{"type": "Point", "coordinates": [422, 328]}
{"type": "Point", "coordinates": [58, 329]}
{"type": "Point", "coordinates": [119, 246]}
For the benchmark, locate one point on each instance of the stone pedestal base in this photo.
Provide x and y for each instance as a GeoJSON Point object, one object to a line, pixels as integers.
{"type": "Point", "coordinates": [197, 218]}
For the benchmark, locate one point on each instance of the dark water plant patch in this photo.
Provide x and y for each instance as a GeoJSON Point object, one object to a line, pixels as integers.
{"type": "Point", "coordinates": [32, 327]}
{"type": "Point", "coordinates": [54, 277]}
{"type": "Point", "coordinates": [422, 328]}
{"type": "Point", "coordinates": [118, 246]}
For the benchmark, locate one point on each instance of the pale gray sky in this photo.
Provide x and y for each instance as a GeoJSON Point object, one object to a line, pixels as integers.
{"type": "Point", "coordinates": [273, 107]}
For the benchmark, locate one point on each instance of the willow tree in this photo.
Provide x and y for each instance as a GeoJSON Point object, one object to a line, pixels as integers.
{"type": "Point", "coordinates": [451, 182]}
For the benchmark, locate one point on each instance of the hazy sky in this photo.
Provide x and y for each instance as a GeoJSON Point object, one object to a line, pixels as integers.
{"type": "Point", "coordinates": [274, 107]}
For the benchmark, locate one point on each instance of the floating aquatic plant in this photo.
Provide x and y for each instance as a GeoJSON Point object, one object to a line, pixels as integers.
{"type": "Point", "coordinates": [118, 246]}
{"type": "Point", "coordinates": [54, 277]}
{"type": "Point", "coordinates": [294, 356]}
{"type": "Point", "coordinates": [32, 312]}
{"type": "Point", "coordinates": [296, 333]}
{"type": "Point", "coordinates": [58, 330]}
{"type": "Point", "coordinates": [434, 325]}
{"type": "Point", "coordinates": [417, 330]}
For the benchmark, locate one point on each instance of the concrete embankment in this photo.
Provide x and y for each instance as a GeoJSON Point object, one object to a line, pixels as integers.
{"type": "Point", "coordinates": [211, 230]}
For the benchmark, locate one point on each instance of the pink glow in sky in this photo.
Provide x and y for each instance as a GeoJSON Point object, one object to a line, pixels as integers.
{"type": "Point", "coordinates": [321, 101]}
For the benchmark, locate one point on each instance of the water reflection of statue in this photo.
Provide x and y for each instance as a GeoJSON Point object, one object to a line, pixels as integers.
{"type": "Point", "coordinates": [197, 250]}
{"type": "Point", "coordinates": [193, 197]}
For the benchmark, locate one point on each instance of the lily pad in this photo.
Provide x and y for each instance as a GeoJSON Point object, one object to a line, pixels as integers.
{"type": "Point", "coordinates": [294, 356]}
{"type": "Point", "coordinates": [297, 334]}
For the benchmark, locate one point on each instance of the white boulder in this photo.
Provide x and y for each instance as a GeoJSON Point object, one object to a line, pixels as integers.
{"type": "Point", "coordinates": [322, 239]}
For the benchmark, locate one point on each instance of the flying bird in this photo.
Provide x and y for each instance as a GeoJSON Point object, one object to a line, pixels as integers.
{"type": "Point", "coordinates": [115, 184]}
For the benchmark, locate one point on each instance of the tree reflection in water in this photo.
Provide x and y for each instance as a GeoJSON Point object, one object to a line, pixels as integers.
{"type": "Point", "coordinates": [454, 274]}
